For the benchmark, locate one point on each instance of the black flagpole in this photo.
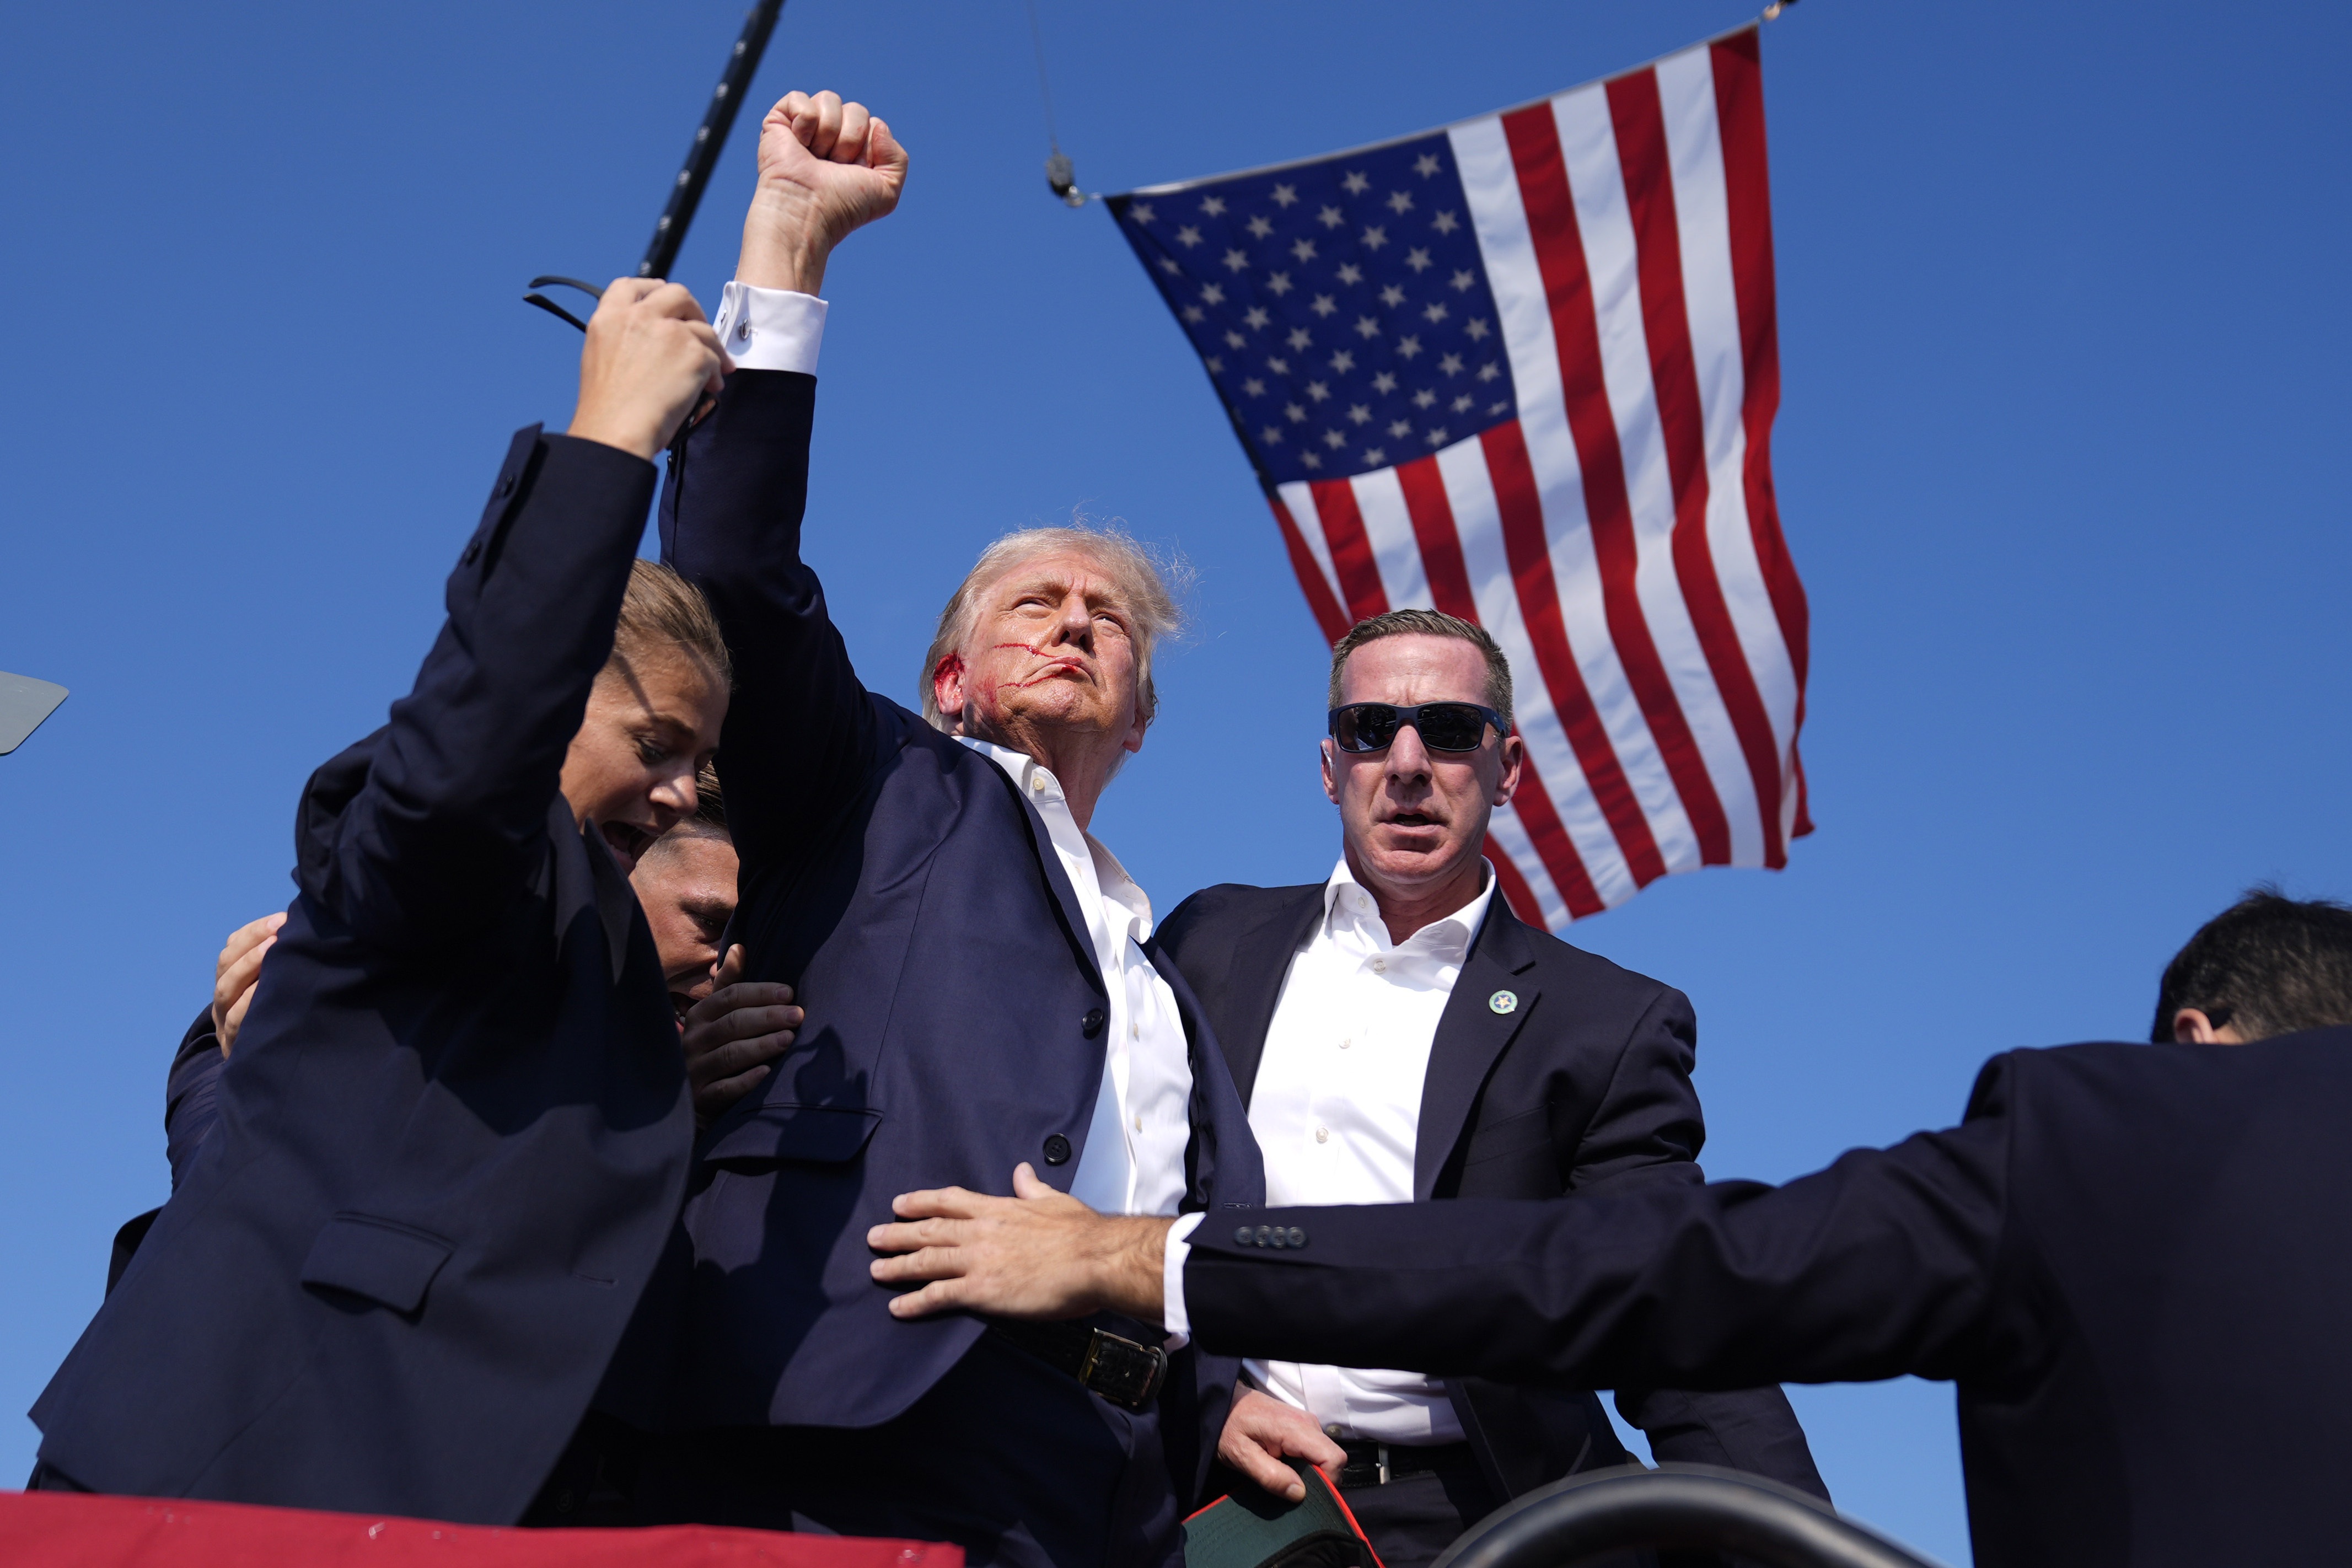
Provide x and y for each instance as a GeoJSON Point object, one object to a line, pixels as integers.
{"type": "Point", "coordinates": [686, 192]}
{"type": "Point", "coordinates": [701, 158]}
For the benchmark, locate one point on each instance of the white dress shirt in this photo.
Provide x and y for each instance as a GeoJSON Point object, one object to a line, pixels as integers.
{"type": "Point", "coordinates": [1336, 1110]}
{"type": "Point", "coordinates": [1134, 1158]}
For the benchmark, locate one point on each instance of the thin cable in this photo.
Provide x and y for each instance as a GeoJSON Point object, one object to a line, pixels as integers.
{"type": "Point", "coordinates": [1038, 42]}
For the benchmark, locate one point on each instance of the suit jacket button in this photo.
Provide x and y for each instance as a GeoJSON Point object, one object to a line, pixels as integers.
{"type": "Point", "coordinates": [1297, 1237]}
{"type": "Point", "coordinates": [1092, 1024]}
{"type": "Point", "coordinates": [506, 486]}
{"type": "Point", "coordinates": [1244, 1237]}
{"type": "Point", "coordinates": [1057, 1149]}
{"type": "Point", "coordinates": [473, 554]}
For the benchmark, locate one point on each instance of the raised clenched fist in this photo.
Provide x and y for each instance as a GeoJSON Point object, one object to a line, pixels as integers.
{"type": "Point", "coordinates": [826, 168]}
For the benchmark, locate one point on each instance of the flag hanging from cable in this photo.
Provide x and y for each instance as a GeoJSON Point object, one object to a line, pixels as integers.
{"type": "Point", "coordinates": [1523, 369]}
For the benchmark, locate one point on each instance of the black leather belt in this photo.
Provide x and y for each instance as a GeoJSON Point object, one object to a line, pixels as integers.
{"type": "Point", "coordinates": [1126, 1373]}
{"type": "Point", "coordinates": [1377, 1464]}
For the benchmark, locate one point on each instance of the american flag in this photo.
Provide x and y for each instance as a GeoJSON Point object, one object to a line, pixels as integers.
{"type": "Point", "coordinates": [1523, 369]}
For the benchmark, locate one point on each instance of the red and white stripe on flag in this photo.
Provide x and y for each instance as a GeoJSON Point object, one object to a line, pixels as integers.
{"type": "Point", "coordinates": [1619, 536]}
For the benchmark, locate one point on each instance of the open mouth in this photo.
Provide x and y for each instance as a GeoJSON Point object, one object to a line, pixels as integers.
{"type": "Point", "coordinates": [1414, 819]}
{"type": "Point", "coordinates": [627, 841]}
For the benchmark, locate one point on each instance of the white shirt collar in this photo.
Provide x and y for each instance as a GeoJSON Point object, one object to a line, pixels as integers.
{"type": "Point", "coordinates": [1038, 785]}
{"type": "Point", "coordinates": [1345, 899]}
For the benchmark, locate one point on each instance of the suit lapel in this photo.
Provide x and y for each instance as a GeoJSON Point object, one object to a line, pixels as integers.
{"type": "Point", "coordinates": [1223, 1167]}
{"type": "Point", "coordinates": [1049, 861]}
{"type": "Point", "coordinates": [1255, 969]}
{"type": "Point", "coordinates": [1470, 1035]}
{"type": "Point", "coordinates": [590, 879]}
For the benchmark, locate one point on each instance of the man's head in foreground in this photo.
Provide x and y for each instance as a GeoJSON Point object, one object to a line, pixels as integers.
{"type": "Point", "coordinates": [2267, 965]}
{"type": "Point", "coordinates": [1046, 647]}
{"type": "Point", "coordinates": [686, 880]}
{"type": "Point", "coordinates": [1415, 785]}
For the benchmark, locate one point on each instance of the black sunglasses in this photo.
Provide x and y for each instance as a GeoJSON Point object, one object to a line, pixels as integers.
{"type": "Point", "coordinates": [1442, 726]}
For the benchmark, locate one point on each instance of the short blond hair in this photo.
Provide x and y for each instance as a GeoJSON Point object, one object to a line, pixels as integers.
{"type": "Point", "coordinates": [661, 609]}
{"type": "Point", "coordinates": [1147, 584]}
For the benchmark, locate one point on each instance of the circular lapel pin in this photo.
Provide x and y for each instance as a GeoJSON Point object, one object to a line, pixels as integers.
{"type": "Point", "coordinates": [1503, 1002]}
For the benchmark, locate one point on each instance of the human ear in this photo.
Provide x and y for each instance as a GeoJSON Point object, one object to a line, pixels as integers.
{"type": "Point", "coordinates": [1330, 756]}
{"type": "Point", "coordinates": [1506, 783]}
{"type": "Point", "coordinates": [2191, 1027]}
{"type": "Point", "coordinates": [947, 684]}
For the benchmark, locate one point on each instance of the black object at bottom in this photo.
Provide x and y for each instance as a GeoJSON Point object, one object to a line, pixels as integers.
{"type": "Point", "coordinates": [1377, 1464]}
{"type": "Point", "coordinates": [1251, 1528]}
{"type": "Point", "coordinates": [1126, 1373]}
{"type": "Point", "coordinates": [1674, 1506]}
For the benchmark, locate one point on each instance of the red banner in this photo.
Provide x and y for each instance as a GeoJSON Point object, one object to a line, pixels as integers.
{"type": "Point", "coordinates": [62, 1529]}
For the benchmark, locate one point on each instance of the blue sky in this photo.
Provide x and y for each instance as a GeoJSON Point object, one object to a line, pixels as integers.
{"type": "Point", "coordinates": [2062, 330]}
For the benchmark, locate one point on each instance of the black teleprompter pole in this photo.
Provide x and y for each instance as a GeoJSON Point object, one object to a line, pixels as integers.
{"type": "Point", "coordinates": [685, 192]}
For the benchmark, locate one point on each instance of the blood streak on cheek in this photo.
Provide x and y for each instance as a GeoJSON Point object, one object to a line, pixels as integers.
{"type": "Point", "coordinates": [1060, 662]}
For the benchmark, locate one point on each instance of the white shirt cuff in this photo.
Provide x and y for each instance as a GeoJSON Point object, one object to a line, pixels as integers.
{"type": "Point", "coordinates": [769, 329]}
{"type": "Point", "coordinates": [1172, 1316]}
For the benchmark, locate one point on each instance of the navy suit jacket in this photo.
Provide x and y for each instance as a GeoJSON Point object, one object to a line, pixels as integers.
{"type": "Point", "coordinates": [955, 1011]}
{"type": "Point", "coordinates": [1583, 1087]}
{"type": "Point", "coordinates": [2133, 1260]}
{"type": "Point", "coordinates": [188, 1114]}
{"type": "Point", "coordinates": [456, 1129]}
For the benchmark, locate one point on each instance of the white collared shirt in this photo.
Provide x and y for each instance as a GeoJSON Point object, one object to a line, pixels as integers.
{"type": "Point", "coordinates": [1336, 1110]}
{"type": "Point", "coordinates": [1134, 1156]}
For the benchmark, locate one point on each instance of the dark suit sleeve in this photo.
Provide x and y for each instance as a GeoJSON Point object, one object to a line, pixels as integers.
{"type": "Point", "coordinates": [189, 1110]}
{"type": "Point", "coordinates": [1882, 1265]}
{"type": "Point", "coordinates": [1751, 1429]}
{"type": "Point", "coordinates": [801, 733]}
{"type": "Point", "coordinates": [1648, 1126]}
{"type": "Point", "coordinates": [451, 813]}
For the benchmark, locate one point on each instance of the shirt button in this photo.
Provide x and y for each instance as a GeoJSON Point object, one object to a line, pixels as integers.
{"type": "Point", "coordinates": [1380, 966]}
{"type": "Point", "coordinates": [1345, 1044]}
{"type": "Point", "coordinates": [1322, 1135]}
{"type": "Point", "coordinates": [1139, 1124]}
{"type": "Point", "coordinates": [1037, 783]}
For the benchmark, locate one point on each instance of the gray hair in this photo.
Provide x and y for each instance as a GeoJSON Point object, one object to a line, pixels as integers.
{"type": "Point", "coordinates": [1147, 586]}
{"type": "Point", "coordinates": [1433, 624]}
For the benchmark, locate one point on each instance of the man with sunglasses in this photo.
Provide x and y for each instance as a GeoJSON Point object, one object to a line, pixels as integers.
{"type": "Point", "coordinates": [1399, 1035]}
